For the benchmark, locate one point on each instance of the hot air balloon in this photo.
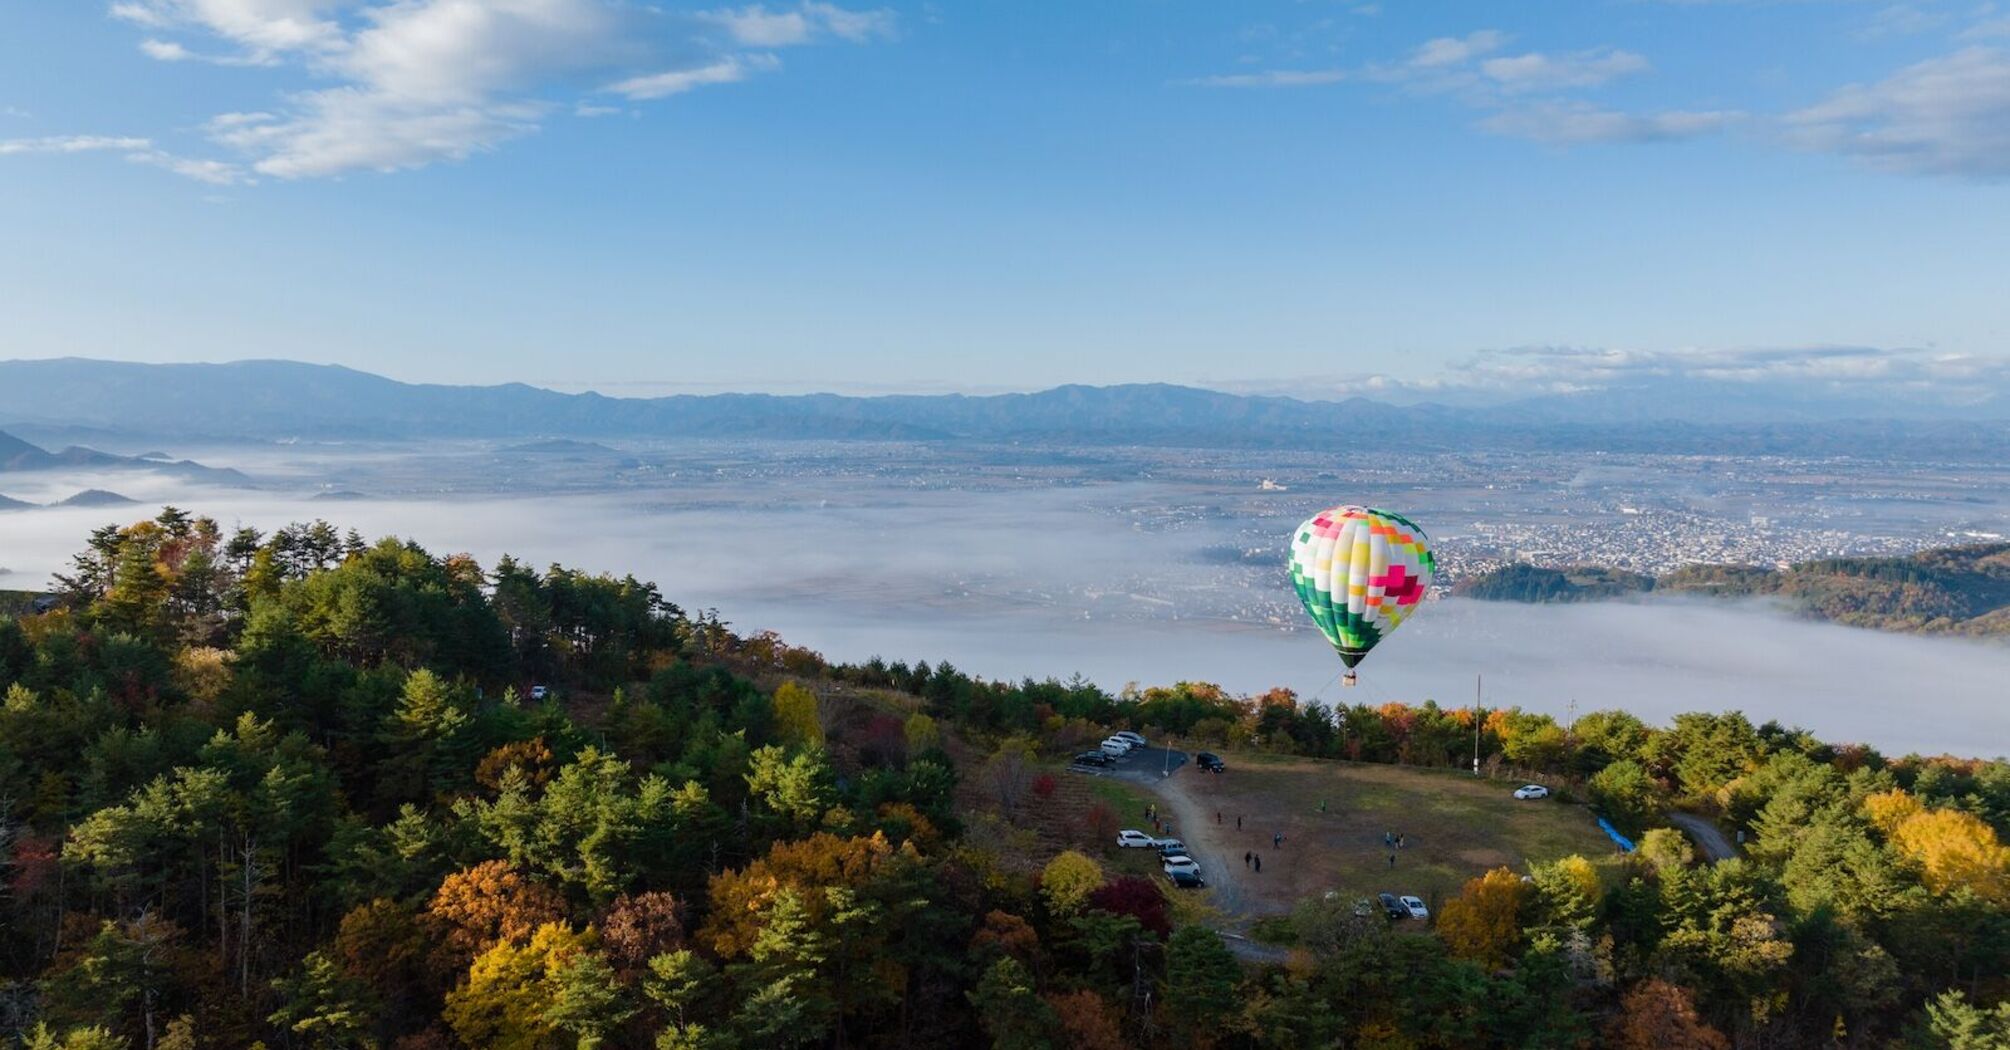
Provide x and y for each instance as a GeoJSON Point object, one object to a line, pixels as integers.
{"type": "Point", "coordinates": [1360, 572]}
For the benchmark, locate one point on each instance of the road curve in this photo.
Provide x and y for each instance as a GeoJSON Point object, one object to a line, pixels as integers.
{"type": "Point", "coordinates": [1705, 835]}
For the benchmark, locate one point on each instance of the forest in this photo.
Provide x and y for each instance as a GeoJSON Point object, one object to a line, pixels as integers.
{"type": "Point", "coordinates": [305, 790]}
{"type": "Point", "coordinates": [1951, 590]}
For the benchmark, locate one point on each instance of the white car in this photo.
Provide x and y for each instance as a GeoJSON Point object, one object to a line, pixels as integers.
{"type": "Point", "coordinates": [1125, 734]}
{"type": "Point", "coordinates": [1116, 746]}
{"type": "Point", "coordinates": [1128, 837]}
{"type": "Point", "coordinates": [539, 692]}
{"type": "Point", "coordinates": [1179, 864]}
{"type": "Point", "coordinates": [1528, 791]}
{"type": "Point", "coordinates": [1415, 907]}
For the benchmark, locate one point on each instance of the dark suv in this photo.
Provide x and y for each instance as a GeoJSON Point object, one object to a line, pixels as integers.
{"type": "Point", "coordinates": [1209, 761]}
{"type": "Point", "coordinates": [1392, 907]}
{"type": "Point", "coordinates": [1093, 758]}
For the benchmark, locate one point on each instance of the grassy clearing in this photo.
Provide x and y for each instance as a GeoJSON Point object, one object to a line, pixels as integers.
{"type": "Point", "coordinates": [1454, 827]}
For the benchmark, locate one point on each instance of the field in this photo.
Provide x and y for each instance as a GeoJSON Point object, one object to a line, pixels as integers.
{"type": "Point", "coordinates": [1454, 827]}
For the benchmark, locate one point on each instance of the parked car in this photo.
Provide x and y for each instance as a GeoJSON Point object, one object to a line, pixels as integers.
{"type": "Point", "coordinates": [1093, 758]}
{"type": "Point", "coordinates": [1171, 848]}
{"type": "Point", "coordinates": [1135, 739]}
{"type": "Point", "coordinates": [1528, 791]}
{"type": "Point", "coordinates": [1209, 761]}
{"type": "Point", "coordinates": [1187, 880]}
{"type": "Point", "coordinates": [1415, 907]}
{"type": "Point", "coordinates": [1129, 837]}
{"type": "Point", "coordinates": [1116, 747]}
{"type": "Point", "coordinates": [1392, 907]}
{"type": "Point", "coordinates": [1363, 907]}
{"type": "Point", "coordinates": [540, 692]}
{"type": "Point", "coordinates": [1177, 864]}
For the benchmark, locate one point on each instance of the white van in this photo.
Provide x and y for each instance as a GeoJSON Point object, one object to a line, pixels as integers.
{"type": "Point", "coordinates": [1116, 747]}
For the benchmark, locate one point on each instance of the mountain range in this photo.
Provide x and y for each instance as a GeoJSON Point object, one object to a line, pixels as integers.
{"type": "Point", "coordinates": [277, 400]}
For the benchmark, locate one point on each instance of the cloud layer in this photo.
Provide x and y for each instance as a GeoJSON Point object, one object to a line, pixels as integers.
{"type": "Point", "coordinates": [416, 82]}
{"type": "Point", "coordinates": [1947, 115]}
{"type": "Point", "coordinates": [1841, 377]}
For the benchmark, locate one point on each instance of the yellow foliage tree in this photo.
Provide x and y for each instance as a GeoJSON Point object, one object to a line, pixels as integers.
{"type": "Point", "coordinates": [510, 989]}
{"type": "Point", "coordinates": [921, 733]}
{"type": "Point", "coordinates": [1483, 923]}
{"type": "Point", "coordinates": [1068, 880]}
{"type": "Point", "coordinates": [796, 716]}
{"type": "Point", "coordinates": [1954, 850]}
{"type": "Point", "coordinates": [1887, 810]}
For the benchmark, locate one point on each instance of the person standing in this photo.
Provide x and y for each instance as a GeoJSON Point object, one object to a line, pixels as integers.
{"type": "Point", "coordinates": [1245, 858]}
{"type": "Point", "coordinates": [1276, 840]}
{"type": "Point", "coordinates": [1259, 864]}
{"type": "Point", "coordinates": [1217, 816]}
{"type": "Point", "coordinates": [1238, 822]}
{"type": "Point", "coordinates": [1392, 858]}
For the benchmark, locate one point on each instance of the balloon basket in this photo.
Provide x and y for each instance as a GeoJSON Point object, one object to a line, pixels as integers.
{"type": "Point", "coordinates": [1350, 680]}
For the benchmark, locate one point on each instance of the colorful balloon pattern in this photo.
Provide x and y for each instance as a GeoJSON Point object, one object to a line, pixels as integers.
{"type": "Point", "coordinates": [1360, 572]}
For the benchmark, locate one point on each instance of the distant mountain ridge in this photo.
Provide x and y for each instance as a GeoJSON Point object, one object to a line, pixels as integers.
{"type": "Point", "coordinates": [276, 400]}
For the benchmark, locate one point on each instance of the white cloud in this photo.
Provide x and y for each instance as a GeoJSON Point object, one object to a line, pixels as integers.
{"type": "Point", "coordinates": [1944, 116]}
{"type": "Point", "coordinates": [1540, 72]}
{"type": "Point", "coordinates": [1572, 123]}
{"type": "Point", "coordinates": [759, 26]}
{"type": "Point", "coordinates": [72, 144]}
{"type": "Point", "coordinates": [214, 172]}
{"type": "Point", "coordinates": [1863, 377]}
{"type": "Point", "coordinates": [136, 149]}
{"type": "Point", "coordinates": [261, 26]}
{"type": "Point", "coordinates": [678, 81]}
{"type": "Point", "coordinates": [169, 51]}
{"type": "Point", "coordinates": [1445, 51]}
{"type": "Point", "coordinates": [413, 82]}
{"type": "Point", "coordinates": [352, 129]}
{"type": "Point", "coordinates": [586, 110]}
{"type": "Point", "coordinates": [1271, 78]}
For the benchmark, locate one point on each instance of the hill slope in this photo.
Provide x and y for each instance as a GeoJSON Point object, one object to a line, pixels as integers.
{"type": "Point", "coordinates": [1954, 590]}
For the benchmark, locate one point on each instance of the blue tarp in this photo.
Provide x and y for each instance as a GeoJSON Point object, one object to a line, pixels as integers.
{"type": "Point", "coordinates": [1624, 842]}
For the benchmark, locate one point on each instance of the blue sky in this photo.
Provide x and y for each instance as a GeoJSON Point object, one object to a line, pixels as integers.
{"type": "Point", "coordinates": [1307, 196]}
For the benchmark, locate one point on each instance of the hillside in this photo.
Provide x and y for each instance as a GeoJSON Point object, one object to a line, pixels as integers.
{"type": "Point", "coordinates": [17, 455]}
{"type": "Point", "coordinates": [1530, 583]}
{"type": "Point", "coordinates": [1954, 590]}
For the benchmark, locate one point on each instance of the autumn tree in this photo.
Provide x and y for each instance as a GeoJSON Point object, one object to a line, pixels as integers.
{"type": "Point", "coordinates": [1955, 850]}
{"type": "Point", "coordinates": [796, 719]}
{"type": "Point", "coordinates": [1656, 1015]}
{"type": "Point", "coordinates": [636, 929]}
{"type": "Point", "coordinates": [1088, 1021]}
{"type": "Point", "coordinates": [1068, 880]}
{"type": "Point", "coordinates": [507, 1000]}
{"type": "Point", "coordinates": [1483, 923]}
{"type": "Point", "coordinates": [1009, 774]}
{"type": "Point", "coordinates": [492, 901]}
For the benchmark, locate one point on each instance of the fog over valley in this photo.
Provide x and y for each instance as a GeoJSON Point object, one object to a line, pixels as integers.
{"type": "Point", "coordinates": [1021, 563]}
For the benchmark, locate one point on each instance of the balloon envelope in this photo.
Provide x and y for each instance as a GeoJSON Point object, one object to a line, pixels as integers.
{"type": "Point", "coordinates": [1360, 572]}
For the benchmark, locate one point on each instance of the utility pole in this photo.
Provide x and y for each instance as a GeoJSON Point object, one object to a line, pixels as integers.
{"type": "Point", "coordinates": [1476, 725]}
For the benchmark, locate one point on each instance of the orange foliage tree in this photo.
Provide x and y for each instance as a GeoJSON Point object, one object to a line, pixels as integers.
{"type": "Point", "coordinates": [487, 903]}
{"type": "Point", "coordinates": [1483, 923]}
{"type": "Point", "coordinates": [1657, 1015]}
